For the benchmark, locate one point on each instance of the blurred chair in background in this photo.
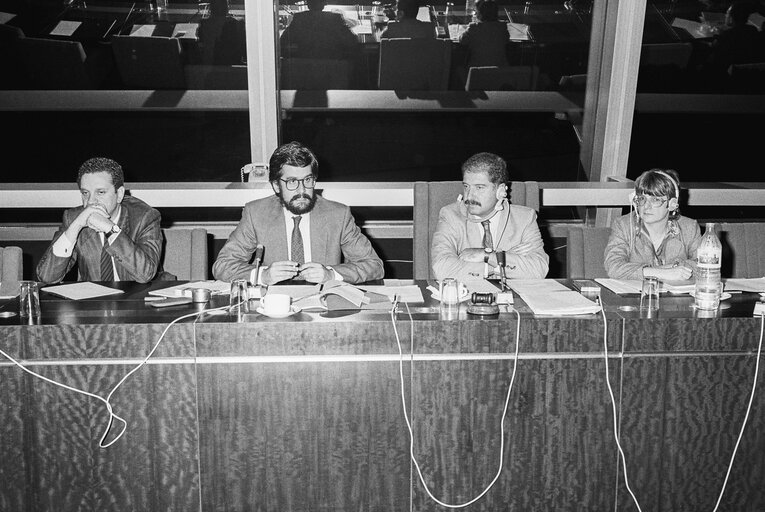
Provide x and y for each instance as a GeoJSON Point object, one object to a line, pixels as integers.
{"type": "Point", "coordinates": [414, 64]}
{"type": "Point", "coordinates": [11, 264]}
{"type": "Point", "coordinates": [54, 64]}
{"type": "Point", "coordinates": [585, 249]}
{"type": "Point", "coordinates": [505, 78]}
{"type": "Point", "coordinates": [149, 62]}
{"type": "Point", "coordinates": [743, 254]}
{"type": "Point", "coordinates": [185, 254]}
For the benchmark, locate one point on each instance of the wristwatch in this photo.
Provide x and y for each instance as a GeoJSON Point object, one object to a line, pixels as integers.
{"type": "Point", "coordinates": [486, 252]}
{"type": "Point", "coordinates": [115, 230]}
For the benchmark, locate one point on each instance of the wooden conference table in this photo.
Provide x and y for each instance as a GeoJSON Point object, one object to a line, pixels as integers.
{"type": "Point", "coordinates": [305, 413]}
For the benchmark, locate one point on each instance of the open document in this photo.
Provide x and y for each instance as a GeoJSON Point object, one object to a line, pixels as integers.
{"type": "Point", "coordinates": [81, 290]}
{"type": "Point", "coordinates": [549, 297]}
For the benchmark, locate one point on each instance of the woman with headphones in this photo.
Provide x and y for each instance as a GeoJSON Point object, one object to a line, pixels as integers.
{"type": "Point", "coordinates": [653, 240]}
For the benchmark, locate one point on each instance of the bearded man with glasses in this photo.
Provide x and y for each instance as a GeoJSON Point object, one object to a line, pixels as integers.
{"type": "Point", "coordinates": [305, 236]}
{"type": "Point", "coordinates": [654, 240]}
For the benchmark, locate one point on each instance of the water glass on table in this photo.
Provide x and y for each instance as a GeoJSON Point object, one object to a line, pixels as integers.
{"type": "Point", "coordinates": [239, 298]}
{"type": "Point", "coordinates": [649, 294]}
{"type": "Point", "coordinates": [29, 299]}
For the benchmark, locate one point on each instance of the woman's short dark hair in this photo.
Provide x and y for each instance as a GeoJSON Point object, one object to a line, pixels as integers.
{"type": "Point", "coordinates": [295, 154]}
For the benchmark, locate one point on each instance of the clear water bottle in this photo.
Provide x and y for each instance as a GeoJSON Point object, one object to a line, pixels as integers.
{"type": "Point", "coordinates": [708, 259]}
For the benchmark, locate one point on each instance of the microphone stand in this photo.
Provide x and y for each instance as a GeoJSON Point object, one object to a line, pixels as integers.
{"type": "Point", "coordinates": [501, 262]}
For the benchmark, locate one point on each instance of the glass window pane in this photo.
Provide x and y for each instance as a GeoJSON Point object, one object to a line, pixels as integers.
{"type": "Point", "coordinates": [121, 44]}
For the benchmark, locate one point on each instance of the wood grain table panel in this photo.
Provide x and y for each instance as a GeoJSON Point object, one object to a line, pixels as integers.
{"type": "Point", "coordinates": [558, 434]}
{"type": "Point", "coordinates": [303, 436]}
{"type": "Point", "coordinates": [152, 467]}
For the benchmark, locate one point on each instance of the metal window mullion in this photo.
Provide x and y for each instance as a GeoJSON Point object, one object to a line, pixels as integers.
{"type": "Point", "coordinates": [261, 36]}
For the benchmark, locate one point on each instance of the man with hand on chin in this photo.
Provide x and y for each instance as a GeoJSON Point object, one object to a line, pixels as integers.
{"type": "Point", "coordinates": [481, 223]}
{"type": "Point", "coordinates": [111, 237]}
{"type": "Point", "coordinates": [305, 236]}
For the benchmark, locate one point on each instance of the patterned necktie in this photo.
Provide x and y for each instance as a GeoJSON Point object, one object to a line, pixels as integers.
{"type": "Point", "coordinates": [107, 271]}
{"type": "Point", "coordinates": [297, 242]}
{"type": "Point", "coordinates": [488, 243]}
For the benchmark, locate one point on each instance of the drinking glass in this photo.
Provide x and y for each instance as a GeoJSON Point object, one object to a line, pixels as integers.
{"type": "Point", "coordinates": [649, 294]}
{"type": "Point", "coordinates": [239, 298]}
{"type": "Point", "coordinates": [29, 299]}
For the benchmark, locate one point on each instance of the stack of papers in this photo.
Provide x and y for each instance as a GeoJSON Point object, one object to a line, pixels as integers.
{"type": "Point", "coordinates": [455, 31]}
{"type": "Point", "coordinates": [81, 290]}
{"type": "Point", "coordinates": [756, 285]}
{"type": "Point", "coordinates": [627, 286]}
{"type": "Point", "coordinates": [185, 30]}
{"type": "Point", "coordinates": [549, 297]}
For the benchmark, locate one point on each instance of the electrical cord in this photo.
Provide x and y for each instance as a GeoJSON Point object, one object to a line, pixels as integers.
{"type": "Point", "coordinates": [406, 416]}
{"type": "Point", "coordinates": [107, 401]}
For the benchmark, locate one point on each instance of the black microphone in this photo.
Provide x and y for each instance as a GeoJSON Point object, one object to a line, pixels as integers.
{"type": "Point", "coordinates": [501, 262]}
{"type": "Point", "coordinates": [258, 259]}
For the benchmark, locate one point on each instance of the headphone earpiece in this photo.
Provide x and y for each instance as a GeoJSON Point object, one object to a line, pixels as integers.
{"type": "Point", "coordinates": [501, 192]}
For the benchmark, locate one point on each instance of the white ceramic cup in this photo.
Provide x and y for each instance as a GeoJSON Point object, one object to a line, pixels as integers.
{"type": "Point", "coordinates": [276, 304]}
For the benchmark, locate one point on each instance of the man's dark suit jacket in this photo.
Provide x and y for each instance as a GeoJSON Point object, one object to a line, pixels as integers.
{"type": "Point", "coordinates": [136, 251]}
{"type": "Point", "coordinates": [335, 238]}
{"type": "Point", "coordinates": [318, 35]}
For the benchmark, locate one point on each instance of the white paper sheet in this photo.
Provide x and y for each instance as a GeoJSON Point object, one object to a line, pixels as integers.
{"type": "Point", "coordinates": [409, 293]}
{"type": "Point", "coordinates": [5, 17]}
{"type": "Point", "coordinates": [81, 290]}
{"type": "Point", "coordinates": [185, 30]}
{"type": "Point", "coordinates": [745, 285]}
{"type": "Point", "coordinates": [423, 14]}
{"type": "Point", "coordinates": [456, 30]}
{"type": "Point", "coordinates": [518, 31]}
{"type": "Point", "coordinates": [692, 27]}
{"type": "Point", "coordinates": [621, 286]}
{"type": "Point", "coordinates": [65, 28]}
{"type": "Point", "coordinates": [364, 27]}
{"type": "Point", "coordinates": [521, 286]}
{"type": "Point", "coordinates": [560, 303]}
{"type": "Point", "coordinates": [142, 30]}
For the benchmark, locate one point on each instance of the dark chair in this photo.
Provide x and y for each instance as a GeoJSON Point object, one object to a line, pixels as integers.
{"type": "Point", "coordinates": [414, 64]}
{"type": "Point", "coordinates": [585, 250]}
{"type": "Point", "coordinates": [430, 197]}
{"type": "Point", "coordinates": [747, 78]}
{"type": "Point", "coordinates": [54, 64]}
{"type": "Point", "coordinates": [315, 74]}
{"type": "Point", "coordinates": [185, 254]}
{"type": "Point", "coordinates": [504, 78]}
{"type": "Point", "coordinates": [149, 62]}
{"type": "Point", "coordinates": [743, 244]}
{"type": "Point", "coordinates": [10, 64]}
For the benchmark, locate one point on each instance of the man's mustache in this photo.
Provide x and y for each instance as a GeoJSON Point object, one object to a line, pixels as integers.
{"type": "Point", "coordinates": [469, 202]}
{"type": "Point", "coordinates": [301, 196]}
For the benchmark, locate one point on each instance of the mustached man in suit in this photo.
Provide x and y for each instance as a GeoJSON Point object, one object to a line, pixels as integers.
{"type": "Point", "coordinates": [111, 237]}
{"type": "Point", "coordinates": [471, 231]}
{"type": "Point", "coordinates": [305, 236]}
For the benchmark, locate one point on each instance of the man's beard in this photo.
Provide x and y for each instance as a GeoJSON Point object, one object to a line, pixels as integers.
{"type": "Point", "coordinates": [293, 208]}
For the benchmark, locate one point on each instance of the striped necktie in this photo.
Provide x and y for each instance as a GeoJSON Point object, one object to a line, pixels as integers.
{"type": "Point", "coordinates": [107, 270]}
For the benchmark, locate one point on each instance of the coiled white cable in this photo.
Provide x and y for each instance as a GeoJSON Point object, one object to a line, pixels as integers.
{"type": "Point", "coordinates": [406, 416]}
{"type": "Point", "coordinates": [107, 400]}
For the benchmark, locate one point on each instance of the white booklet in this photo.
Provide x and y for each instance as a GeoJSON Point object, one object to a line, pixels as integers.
{"type": "Point", "coordinates": [81, 290]}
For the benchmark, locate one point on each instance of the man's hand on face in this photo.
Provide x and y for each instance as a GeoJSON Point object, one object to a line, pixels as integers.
{"type": "Point", "coordinates": [279, 271]}
{"type": "Point", "coordinates": [473, 254]}
{"type": "Point", "coordinates": [316, 273]}
{"type": "Point", "coordinates": [100, 222]}
{"type": "Point", "coordinates": [83, 219]}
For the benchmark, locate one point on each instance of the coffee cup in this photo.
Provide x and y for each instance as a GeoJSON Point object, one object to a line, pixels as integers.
{"type": "Point", "coordinates": [276, 304]}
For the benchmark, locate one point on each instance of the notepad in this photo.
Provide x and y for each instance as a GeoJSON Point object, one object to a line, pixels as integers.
{"type": "Point", "coordinates": [65, 28]}
{"type": "Point", "coordinates": [561, 303]}
{"type": "Point", "coordinates": [621, 286]}
{"type": "Point", "coordinates": [82, 290]}
{"type": "Point", "coordinates": [756, 285]}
